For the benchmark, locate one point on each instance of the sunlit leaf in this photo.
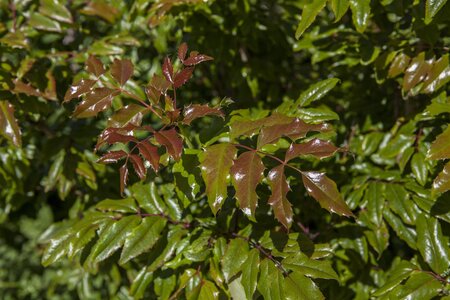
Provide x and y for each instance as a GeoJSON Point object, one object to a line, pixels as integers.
{"type": "Point", "coordinates": [441, 183]}
{"type": "Point", "coordinates": [303, 265]}
{"type": "Point", "coordinates": [195, 111]}
{"type": "Point", "coordinates": [315, 147]}
{"type": "Point", "coordinates": [8, 124]}
{"type": "Point", "coordinates": [171, 140]}
{"type": "Point", "coordinates": [80, 88]}
{"type": "Point", "coordinates": [278, 200]}
{"type": "Point", "coordinates": [440, 148]}
{"type": "Point", "coordinates": [432, 7]}
{"type": "Point", "coordinates": [360, 13]}
{"type": "Point", "coordinates": [309, 14]}
{"type": "Point", "coordinates": [339, 8]}
{"type": "Point", "coordinates": [96, 101]}
{"type": "Point", "coordinates": [316, 92]}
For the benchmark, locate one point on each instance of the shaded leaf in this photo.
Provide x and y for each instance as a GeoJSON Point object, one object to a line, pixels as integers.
{"type": "Point", "coordinates": [234, 257]}
{"type": "Point", "coordinates": [316, 147]}
{"type": "Point", "coordinates": [81, 87]}
{"type": "Point", "coordinates": [250, 271]}
{"type": "Point", "coordinates": [401, 272]}
{"type": "Point", "coordinates": [96, 101]}
{"type": "Point", "coordinates": [208, 291]}
{"type": "Point", "coordinates": [416, 71]}
{"type": "Point", "coordinates": [280, 204]}
{"type": "Point", "coordinates": [101, 9]}
{"type": "Point", "coordinates": [56, 11]}
{"type": "Point", "coordinates": [303, 265]}
{"type": "Point", "coordinates": [150, 153]}
{"type": "Point", "coordinates": [432, 244]}
{"type": "Point", "coordinates": [138, 165]}
{"type": "Point", "coordinates": [246, 173]}
{"type": "Point", "coordinates": [441, 183]}
{"type": "Point", "coordinates": [127, 205]}
{"type": "Point", "coordinates": [121, 70]}
{"type": "Point", "coordinates": [324, 190]}
{"type": "Point", "coordinates": [171, 140]}
{"type": "Point", "coordinates": [404, 232]}
{"type": "Point", "coordinates": [41, 22]}
{"type": "Point", "coordinates": [195, 59]}
{"type": "Point", "coordinates": [26, 88]}
{"type": "Point", "coordinates": [8, 124]}
{"type": "Point", "coordinates": [309, 14]}
{"type": "Point", "coordinates": [195, 111]}
{"type": "Point", "coordinates": [299, 287]}
{"type": "Point", "coordinates": [132, 113]}
{"type": "Point", "coordinates": [432, 7]}
{"type": "Point", "coordinates": [316, 92]}
{"type": "Point", "coordinates": [399, 65]}
{"type": "Point", "coordinates": [216, 162]}
{"type": "Point", "coordinates": [438, 76]}
{"type": "Point", "coordinates": [182, 77]}
{"type": "Point", "coordinates": [95, 66]}
{"type": "Point", "coordinates": [182, 50]}
{"type": "Point", "coordinates": [440, 148]}
{"type": "Point", "coordinates": [401, 204]}
{"type": "Point", "coordinates": [339, 8]}
{"type": "Point", "coordinates": [270, 283]}
{"type": "Point", "coordinates": [375, 202]}
{"type": "Point", "coordinates": [123, 178]}
{"type": "Point", "coordinates": [420, 285]}
{"type": "Point", "coordinates": [167, 70]}
{"type": "Point", "coordinates": [419, 168]}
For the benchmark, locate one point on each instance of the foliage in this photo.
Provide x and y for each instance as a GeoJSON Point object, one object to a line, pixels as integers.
{"type": "Point", "coordinates": [135, 168]}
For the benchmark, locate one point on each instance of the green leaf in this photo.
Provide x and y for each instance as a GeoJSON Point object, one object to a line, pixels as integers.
{"type": "Point", "coordinates": [421, 286]}
{"type": "Point", "coordinates": [404, 232]}
{"type": "Point", "coordinates": [280, 204]}
{"type": "Point", "coordinates": [432, 7]}
{"type": "Point", "coordinates": [397, 276]}
{"type": "Point", "coordinates": [208, 291]}
{"type": "Point", "coordinates": [360, 14]}
{"type": "Point", "coordinates": [401, 204]}
{"type": "Point", "coordinates": [270, 283]}
{"type": "Point", "coordinates": [416, 71]}
{"type": "Point", "coordinates": [148, 197]}
{"type": "Point", "coordinates": [432, 244]}
{"type": "Point", "coordinates": [440, 148]}
{"type": "Point", "coordinates": [142, 238]}
{"type": "Point", "coordinates": [303, 265]}
{"type": "Point", "coordinates": [8, 124]}
{"type": "Point", "coordinates": [419, 168]}
{"type": "Point", "coordinates": [441, 183]}
{"type": "Point", "coordinates": [375, 202]}
{"type": "Point", "coordinates": [324, 190]}
{"type": "Point", "coordinates": [216, 162]}
{"type": "Point", "coordinates": [140, 283]}
{"type": "Point", "coordinates": [339, 8]}
{"type": "Point", "coordinates": [129, 114]}
{"type": "Point", "coordinates": [299, 287]}
{"type": "Point", "coordinates": [234, 257]}
{"type": "Point", "coordinates": [127, 205]}
{"type": "Point", "coordinates": [309, 14]}
{"type": "Point", "coordinates": [56, 11]}
{"type": "Point", "coordinates": [112, 238]}
{"type": "Point", "coordinates": [317, 114]}
{"type": "Point", "coordinates": [438, 76]}
{"type": "Point", "coordinates": [250, 270]}
{"type": "Point", "coordinates": [246, 173]}
{"type": "Point", "coordinates": [57, 248]}
{"type": "Point", "coordinates": [316, 92]}
{"type": "Point", "coordinates": [41, 22]}
{"type": "Point", "coordinates": [378, 238]}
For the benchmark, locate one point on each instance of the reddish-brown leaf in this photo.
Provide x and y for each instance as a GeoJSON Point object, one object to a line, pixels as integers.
{"type": "Point", "coordinates": [195, 111]}
{"type": "Point", "coordinates": [8, 123]}
{"type": "Point", "coordinates": [26, 88]}
{"type": "Point", "coordinates": [182, 77]}
{"type": "Point", "coordinates": [130, 114]}
{"type": "Point", "coordinates": [316, 147]}
{"type": "Point", "coordinates": [216, 162]}
{"type": "Point", "coordinates": [172, 141]}
{"type": "Point", "coordinates": [116, 135]}
{"type": "Point", "coordinates": [95, 66]}
{"type": "Point", "coordinates": [441, 183]}
{"type": "Point", "coordinates": [138, 166]}
{"type": "Point", "coordinates": [81, 87]}
{"type": "Point", "coordinates": [416, 71]}
{"type": "Point", "coordinates": [121, 70]}
{"type": "Point", "coordinates": [248, 128]}
{"type": "Point", "coordinates": [294, 130]}
{"type": "Point", "coordinates": [440, 148]}
{"type": "Point", "coordinates": [50, 91]}
{"type": "Point", "coordinates": [123, 177]}
{"type": "Point", "coordinates": [167, 69]}
{"type": "Point", "coordinates": [112, 157]}
{"type": "Point", "coordinates": [246, 173]}
{"type": "Point", "coordinates": [182, 50]}
{"type": "Point", "coordinates": [280, 204]}
{"type": "Point", "coordinates": [96, 101]}
{"type": "Point", "coordinates": [101, 9]}
{"type": "Point", "coordinates": [150, 153]}
{"type": "Point", "coordinates": [324, 190]}
{"type": "Point", "coordinates": [195, 59]}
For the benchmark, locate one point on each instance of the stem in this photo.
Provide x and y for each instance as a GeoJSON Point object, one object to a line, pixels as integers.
{"type": "Point", "coordinates": [174, 97]}
{"type": "Point", "coordinates": [133, 96]}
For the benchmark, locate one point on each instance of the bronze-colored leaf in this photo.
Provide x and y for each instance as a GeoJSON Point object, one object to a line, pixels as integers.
{"type": "Point", "coordinates": [442, 182]}
{"type": "Point", "coordinates": [172, 141]}
{"type": "Point", "coordinates": [130, 114]}
{"type": "Point", "coordinates": [182, 50]}
{"type": "Point", "coordinates": [8, 124]}
{"type": "Point", "coordinates": [116, 135]}
{"type": "Point", "coordinates": [81, 87]}
{"type": "Point", "coordinates": [316, 147]}
{"type": "Point", "coordinates": [112, 157]}
{"type": "Point", "coordinates": [150, 153]}
{"type": "Point", "coordinates": [294, 130]}
{"type": "Point", "coordinates": [195, 111]}
{"type": "Point", "coordinates": [248, 128]}
{"type": "Point", "coordinates": [121, 70]}
{"type": "Point", "coordinates": [50, 91]}
{"type": "Point", "coordinates": [195, 59]}
{"type": "Point", "coordinates": [95, 66]}
{"type": "Point", "coordinates": [216, 162]}
{"type": "Point", "coordinates": [123, 171]}
{"type": "Point", "coordinates": [138, 165]}
{"type": "Point", "coordinates": [440, 148]}
{"type": "Point", "coordinates": [182, 77]}
{"type": "Point", "coordinates": [25, 88]}
{"type": "Point", "coordinates": [416, 71]}
{"type": "Point", "coordinates": [438, 76]}
{"type": "Point", "coordinates": [167, 70]}
{"type": "Point", "coordinates": [280, 204]}
{"type": "Point", "coordinates": [96, 101]}
{"type": "Point", "coordinates": [101, 9]}
{"type": "Point", "coordinates": [399, 64]}
{"type": "Point", "coordinates": [324, 190]}
{"type": "Point", "coordinates": [246, 173]}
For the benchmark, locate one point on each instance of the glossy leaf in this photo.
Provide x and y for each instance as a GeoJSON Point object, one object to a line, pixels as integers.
{"type": "Point", "coordinates": [195, 111]}
{"type": "Point", "coordinates": [26, 88]}
{"type": "Point", "coordinates": [8, 124]}
{"type": "Point", "coordinates": [150, 153]}
{"type": "Point", "coordinates": [315, 147]}
{"type": "Point", "coordinates": [401, 272]}
{"type": "Point", "coordinates": [101, 9]}
{"type": "Point", "coordinates": [182, 77]}
{"type": "Point", "coordinates": [432, 7]}
{"type": "Point", "coordinates": [96, 101]}
{"type": "Point", "coordinates": [303, 265]}
{"type": "Point", "coordinates": [246, 173]}
{"type": "Point", "coordinates": [127, 205]}
{"type": "Point", "coordinates": [195, 59]}
{"type": "Point", "coordinates": [167, 70]}
{"type": "Point", "coordinates": [138, 165]}
{"type": "Point", "coordinates": [171, 140]}
{"type": "Point", "coordinates": [234, 257]}
{"type": "Point", "coordinates": [123, 178]}
{"type": "Point", "coordinates": [375, 202]}
{"type": "Point", "coordinates": [182, 51]}
{"type": "Point", "coordinates": [309, 14]}
{"type": "Point", "coordinates": [316, 92]}
{"type": "Point", "coordinates": [42, 22]}
{"type": "Point", "coordinates": [438, 76]}
{"type": "Point", "coordinates": [432, 244]}
{"type": "Point", "coordinates": [142, 238]}
{"type": "Point", "coordinates": [324, 190]}
{"type": "Point", "coordinates": [270, 283]}
{"type": "Point", "coordinates": [441, 183]}
{"type": "Point", "coordinates": [208, 291]}
{"type": "Point", "coordinates": [56, 11]}
{"type": "Point", "coordinates": [401, 204]}
{"type": "Point", "coordinates": [419, 286]}
{"type": "Point", "coordinates": [250, 271]}
{"type": "Point", "coordinates": [339, 8]}
{"type": "Point", "coordinates": [278, 200]}
{"type": "Point", "coordinates": [360, 13]}
{"type": "Point", "coordinates": [80, 88]}
{"type": "Point", "coordinates": [404, 232]}
{"type": "Point", "coordinates": [112, 238]}
{"type": "Point", "coordinates": [121, 70]}
{"type": "Point", "coordinates": [95, 66]}
{"type": "Point", "coordinates": [248, 128]}
{"type": "Point", "coordinates": [299, 287]}
{"type": "Point", "coordinates": [57, 248]}
{"type": "Point", "coordinates": [419, 168]}
{"type": "Point", "coordinates": [416, 71]}
{"type": "Point", "coordinates": [399, 65]}
{"type": "Point", "coordinates": [130, 114]}
{"type": "Point", "coordinates": [216, 162]}
{"type": "Point", "coordinates": [440, 148]}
